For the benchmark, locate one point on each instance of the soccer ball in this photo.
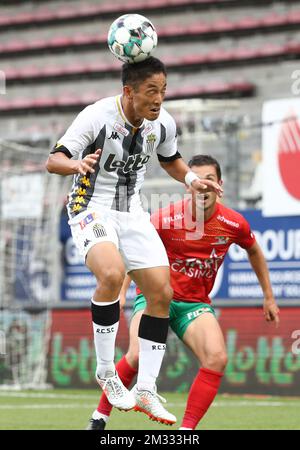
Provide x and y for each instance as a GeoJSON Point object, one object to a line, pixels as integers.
{"type": "Point", "coordinates": [132, 38]}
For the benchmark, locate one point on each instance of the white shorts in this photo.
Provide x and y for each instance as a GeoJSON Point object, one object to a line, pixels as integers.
{"type": "Point", "coordinates": [133, 234]}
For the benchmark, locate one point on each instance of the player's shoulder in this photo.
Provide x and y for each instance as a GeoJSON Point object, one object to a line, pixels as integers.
{"type": "Point", "coordinates": [106, 105]}
{"type": "Point", "coordinates": [230, 217]}
{"type": "Point", "coordinates": [166, 119]}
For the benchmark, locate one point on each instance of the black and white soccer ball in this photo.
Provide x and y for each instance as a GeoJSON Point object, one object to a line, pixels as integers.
{"type": "Point", "coordinates": [132, 38]}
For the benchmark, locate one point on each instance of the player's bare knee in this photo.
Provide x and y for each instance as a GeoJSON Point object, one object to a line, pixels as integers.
{"type": "Point", "coordinates": [216, 360]}
{"type": "Point", "coordinates": [111, 280]}
{"type": "Point", "coordinates": [165, 295]}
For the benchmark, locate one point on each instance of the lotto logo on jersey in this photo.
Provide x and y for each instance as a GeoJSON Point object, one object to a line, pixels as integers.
{"type": "Point", "coordinates": [133, 163]}
{"type": "Point", "coordinates": [87, 220]}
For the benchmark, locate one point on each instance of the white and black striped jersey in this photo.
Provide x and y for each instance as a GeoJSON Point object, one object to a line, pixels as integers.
{"type": "Point", "coordinates": [126, 150]}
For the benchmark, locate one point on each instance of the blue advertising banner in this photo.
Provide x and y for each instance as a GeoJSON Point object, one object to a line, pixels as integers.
{"type": "Point", "coordinates": [279, 238]}
{"type": "Point", "coordinates": [78, 283]}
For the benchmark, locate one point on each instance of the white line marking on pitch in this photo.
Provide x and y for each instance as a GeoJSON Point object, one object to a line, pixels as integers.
{"type": "Point", "coordinates": [217, 404]}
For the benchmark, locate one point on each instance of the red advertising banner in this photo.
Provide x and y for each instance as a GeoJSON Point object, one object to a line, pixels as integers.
{"type": "Point", "coordinates": [262, 359]}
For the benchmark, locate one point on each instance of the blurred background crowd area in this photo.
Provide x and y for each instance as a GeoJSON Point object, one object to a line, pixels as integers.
{"type": "Point", "coordinates": [224, 59]}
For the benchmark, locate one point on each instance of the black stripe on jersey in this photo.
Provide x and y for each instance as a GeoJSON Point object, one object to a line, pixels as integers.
{"type": "Point", "coordinates": [163, 133]}
{"type": "Point", "coordinates": [62, 149]}
{"type": "Point", "coordinates": [132, 145]}
{"type": "Point", "coordinates": [85, 185]}
{"type": "Point", "coordinates": [168, 158]}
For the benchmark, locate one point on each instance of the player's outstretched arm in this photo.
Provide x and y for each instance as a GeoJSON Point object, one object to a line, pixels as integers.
{"type": "Point", "coordinates": [259, 265]}
{"type": "Point", "coordinates": [61, 164]}
{"type": "Point", "coordinates": [180, 171]}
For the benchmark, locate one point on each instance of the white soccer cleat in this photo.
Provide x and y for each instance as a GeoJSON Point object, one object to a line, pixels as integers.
{"type": "Point", "coordinates": [149, 403]}
{"type": "Point", "coordinates": [116, 393]}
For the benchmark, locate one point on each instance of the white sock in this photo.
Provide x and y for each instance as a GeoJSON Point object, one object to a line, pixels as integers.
{"type": "Point", "coordinates": [150, 359]}
{"type": "Point", "coordinates": [97, 415]}
{"type": "Point", "coordinates": [182, 428]}
{"type": "Point", "coordinates": [104, 340]}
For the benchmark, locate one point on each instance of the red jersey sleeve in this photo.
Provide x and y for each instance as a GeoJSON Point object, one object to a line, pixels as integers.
{"type": "Point", "coordinates": [245, 238]}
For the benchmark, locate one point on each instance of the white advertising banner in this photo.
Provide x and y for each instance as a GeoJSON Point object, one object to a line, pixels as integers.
{"type": "Point", "coordinates": [281, 157]}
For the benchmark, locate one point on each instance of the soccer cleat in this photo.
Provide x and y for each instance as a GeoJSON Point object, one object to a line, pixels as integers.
{"type": "Point", "coordinates": [116, 393]}
{"type": "Point", "coordinates": [149, 403]}
{"type": "Point", "coordinates": [96, 424]}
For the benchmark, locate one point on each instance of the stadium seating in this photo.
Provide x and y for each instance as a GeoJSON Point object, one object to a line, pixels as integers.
{"type": "Point", "coordinates": [75, 101]}
{"type": "Point", "coordinates": [170, 33]}
{"type": "Point", "coordinates": [46, 15]}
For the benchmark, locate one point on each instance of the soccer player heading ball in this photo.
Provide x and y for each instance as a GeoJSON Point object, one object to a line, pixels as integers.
{"type": "Point", "coordinates": [107, 149]}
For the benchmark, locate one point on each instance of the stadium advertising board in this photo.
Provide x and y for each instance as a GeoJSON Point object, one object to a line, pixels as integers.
{"type": "Point", "coordinates": [279, 238]}
{"type": "Point", "coordinates": [78, 283]}
{"type": "Point", "coordinates": [281, 157]}
{"type": "Point", "coordinates": [262, 359]}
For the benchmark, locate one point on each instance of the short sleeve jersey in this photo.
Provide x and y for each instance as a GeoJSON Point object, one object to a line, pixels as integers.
{"type": "Point", "coordinates": [126, 150]}
{"type": "Point", "coordinates": [194, 263]}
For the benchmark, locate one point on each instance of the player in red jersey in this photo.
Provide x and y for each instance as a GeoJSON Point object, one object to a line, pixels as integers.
{"type": "Point", "coordinates": [194, 264]}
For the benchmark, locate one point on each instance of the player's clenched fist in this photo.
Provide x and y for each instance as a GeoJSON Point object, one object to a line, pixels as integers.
{"type": "Point", "coordinates": [88, 162]}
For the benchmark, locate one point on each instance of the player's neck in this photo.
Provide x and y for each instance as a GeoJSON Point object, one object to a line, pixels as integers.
{"type": "Point", "coordinates": [129, 113]}
{"type": "Point", "coordinates": [206, 214]}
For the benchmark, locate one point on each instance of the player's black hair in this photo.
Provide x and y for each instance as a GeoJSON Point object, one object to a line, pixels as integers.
{"type": "Point", "coordinates": [136, 73]}
{"type": "Point", "coordinates": [206, 160]}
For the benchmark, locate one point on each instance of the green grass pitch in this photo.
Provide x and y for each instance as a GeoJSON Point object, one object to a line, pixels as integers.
{"type": "Point", "coordinates": [71, 409]}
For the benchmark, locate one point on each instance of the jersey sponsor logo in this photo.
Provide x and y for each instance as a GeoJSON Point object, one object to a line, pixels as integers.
{"type": "Point", "coordinates": [147, 129]}
{"type": "Point", "coordinates": [87, 220]}
{"type": "Point", "coordinates": [133, 163]}
{"type": "Point", "coordinates": [199, 268]}
{"type": "Point", "coordinates": [194, 314]}
{"type": "Point", "coordinates": [220, 240]}
{"type": "Point", "coordinates": [120, 129]}
{"type": "Point", "coordinates": [114, 135]}
{"type": "Point", "coordinates": [228, 222]}
{"type": "Point", "coordinates": [171, 219]}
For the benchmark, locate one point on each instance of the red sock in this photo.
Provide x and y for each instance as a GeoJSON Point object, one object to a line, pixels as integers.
{"type": "Point", "coordinates": [126, 374]}
{"type": "Point", "coordinates": [201, 396]}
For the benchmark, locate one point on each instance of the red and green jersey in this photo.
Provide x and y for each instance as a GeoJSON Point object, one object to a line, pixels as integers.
{"type": "Point", "coordinates": [194, 263]}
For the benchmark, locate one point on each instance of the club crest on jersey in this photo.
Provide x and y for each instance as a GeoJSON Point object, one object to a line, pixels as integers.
{"type": "Point", "coordinates": [150, 143]}
{"type": "Point", "coordinates": [99, 230]}
{"type": "Point", "coordinates": [87, 220]}
{"type": "Point", "coordinates": [120, 129]}
{"type": "Point", "coordinates": [220, 240]}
